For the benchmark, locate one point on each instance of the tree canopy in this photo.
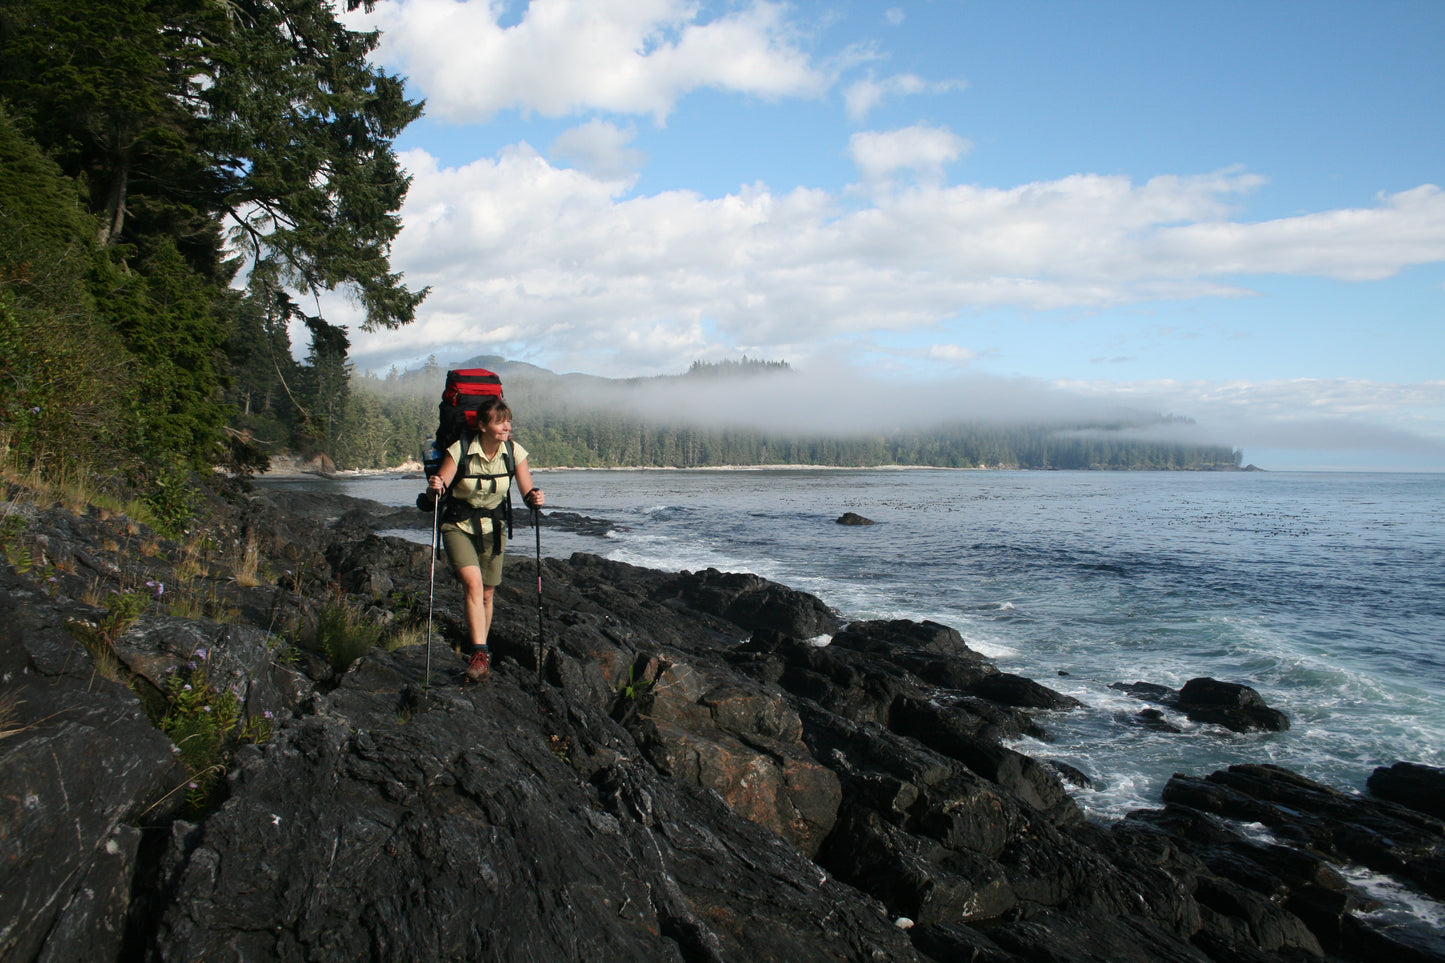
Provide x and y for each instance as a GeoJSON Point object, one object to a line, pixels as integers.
{"type": "Point", "coordinates": [180, 142]}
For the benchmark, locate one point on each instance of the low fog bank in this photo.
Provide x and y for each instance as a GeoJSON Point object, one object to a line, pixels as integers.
{"type": "Point", "coordinates": [844, 402]}
{"type": "Point", "coordinates": [848, 402]}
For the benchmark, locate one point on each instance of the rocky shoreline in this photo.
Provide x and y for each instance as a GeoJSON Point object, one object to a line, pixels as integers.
{"type": "Point", "coordinates": [663, 767]}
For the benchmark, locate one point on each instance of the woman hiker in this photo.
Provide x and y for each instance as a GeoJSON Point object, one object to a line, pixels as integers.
{"type": "Point", "coordinates": [474, 518]}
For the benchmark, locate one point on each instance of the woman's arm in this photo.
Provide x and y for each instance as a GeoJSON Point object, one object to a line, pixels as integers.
{"type": "Point", "coordinates": [532, 496]}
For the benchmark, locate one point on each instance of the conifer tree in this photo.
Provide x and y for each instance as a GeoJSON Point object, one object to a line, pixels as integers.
{"type": "Point", "coordinates": [209, 136]}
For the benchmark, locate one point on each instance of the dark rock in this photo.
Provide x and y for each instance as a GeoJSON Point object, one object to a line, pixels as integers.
{"type": "Point", "coordinates": [645, 776]}
{"type": "Point", "coordinates": [1380, 835]}
{"type": "Point", "coordinates": [744, 744]}
{"type": "Point", "coordinates": [849, 518]}
{"type": "Point", "coordinates": [1065, 938]}
{"type": "Point", "coordinates": [1229, 704]}
{"type": "Point", "coordinates": [1156, 720]}
{"type": "Point", "coordinates": [953, 734]}
{"type": "Point", "coordinates": [1070, 774]}
{"type": "Point", "coordinates": [900, 636]}
{"type": "Point", "coordinates": [1148, 691]}
{"type": "Point", "coordinates": [916, 877]}
{"type": "Point", "coordinates": [580, 524]}
{"type": "Point", "coordinates": [958, 941]}
{"type": "Point", "coordinates": [1296, 875]}
{"type": "Point", "coordinates": [754, 603]}
{"type": "Point", "coordinates": [1421, 788]}
{"type": "Point", "coordinates": [443, 820]}
{"type": "Point", "coordinates": [82, 767]}
{"type": "Point", "coordinates": [1008, 689]}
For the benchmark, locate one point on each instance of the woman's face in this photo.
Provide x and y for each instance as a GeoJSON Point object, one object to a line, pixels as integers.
{"type": "Point", "coordinates": [498, 429]}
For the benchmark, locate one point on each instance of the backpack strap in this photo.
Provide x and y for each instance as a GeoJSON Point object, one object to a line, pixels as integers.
{"type": "Point", "coordinates": [457, 510]}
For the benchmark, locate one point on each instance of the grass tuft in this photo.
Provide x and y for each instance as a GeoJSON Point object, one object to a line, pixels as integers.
{"type": "Point", "coordinates": [341, 632]}
{"type": "Point", "coordinates": [10, 704]}
{"type": "Point", "coordinates": [248, 567]}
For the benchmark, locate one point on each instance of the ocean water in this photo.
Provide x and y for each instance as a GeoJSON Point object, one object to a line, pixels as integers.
{"type": "Point", "coordinates": [1326, 592]}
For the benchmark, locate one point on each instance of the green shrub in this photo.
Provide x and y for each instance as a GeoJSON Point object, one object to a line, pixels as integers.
{"type": "Point", "coordinates": [341, 633]}
{"type": "Point", "coordinates": [206, 724]}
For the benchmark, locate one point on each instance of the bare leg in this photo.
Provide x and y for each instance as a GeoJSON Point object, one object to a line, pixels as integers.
{"type": "Point", "coordinates": [487, 592]}
{"type": "Point", "coordinates": [478, 604]}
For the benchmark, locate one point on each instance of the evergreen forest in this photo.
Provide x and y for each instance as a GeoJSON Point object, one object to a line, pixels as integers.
{"type": "Point", "coordinates": [178, 180]}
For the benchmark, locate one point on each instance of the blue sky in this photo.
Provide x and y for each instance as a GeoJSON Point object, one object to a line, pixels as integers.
{"type": "Point", "coordinates": [1226, 210]}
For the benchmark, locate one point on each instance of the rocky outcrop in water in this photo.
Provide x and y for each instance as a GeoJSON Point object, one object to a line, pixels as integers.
{"type": "Point", "coordinates": [672, 769]}
{"type": "Point", "coordinates": [853, 518]}
{"type": "Point", "coordinates": [1233, 705]}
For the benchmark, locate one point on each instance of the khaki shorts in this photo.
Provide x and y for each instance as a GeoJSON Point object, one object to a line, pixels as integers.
{"type": "Point", "coordinates": [462, 551]}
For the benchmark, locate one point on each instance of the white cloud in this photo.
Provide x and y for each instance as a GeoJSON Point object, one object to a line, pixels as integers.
{"type": "Point", "coordinates": [571, 56]}
{"type": "Point", "coordinates": [559, 266]}
{"type": "Point", "coordinates": [600, 149]}
{"type": "Point", "coordinates": [922, 149]}
{"type": "Point", "coordinates": [951, 353]}
{"type": "Point", "coordinates": [864, 95]}
{"type": "Point", "coordinates": [1358, 244]}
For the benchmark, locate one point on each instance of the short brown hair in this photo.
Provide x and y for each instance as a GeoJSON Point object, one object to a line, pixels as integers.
{"type": "Point", "coordinates": [493, 409]}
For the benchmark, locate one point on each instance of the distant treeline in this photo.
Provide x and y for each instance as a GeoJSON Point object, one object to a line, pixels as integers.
{"type": "Point", "coordinates": [599, 441]}
{"type": "Point", "coordinates": [389, 418]}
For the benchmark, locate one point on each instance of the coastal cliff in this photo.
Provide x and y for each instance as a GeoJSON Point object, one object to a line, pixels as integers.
{"type": "Point", "coordinates": [664, 766]}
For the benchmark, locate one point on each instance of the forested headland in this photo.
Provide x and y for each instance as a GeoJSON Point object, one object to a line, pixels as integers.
{"type": "Point", "coordinates": [180, 182]}
{"type": "Point", "coordinates": [582, 421]}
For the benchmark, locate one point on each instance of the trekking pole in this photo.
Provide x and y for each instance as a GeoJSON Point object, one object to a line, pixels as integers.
{"type": "Point", "coordinates": [431, 590]}
{"type": "Point", "coordinates": [541, 642]}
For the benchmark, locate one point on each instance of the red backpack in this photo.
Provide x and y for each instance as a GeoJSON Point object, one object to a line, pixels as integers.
{"type": "Point", "coordinates": [466, 389]}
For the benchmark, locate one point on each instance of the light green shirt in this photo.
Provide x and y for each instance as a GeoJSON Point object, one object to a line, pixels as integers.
{"type": "Point", "coordinates": [482, 492]}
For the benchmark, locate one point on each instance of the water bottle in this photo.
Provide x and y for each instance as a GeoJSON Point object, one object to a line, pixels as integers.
{"type": "Point", "coordinates": [431, 457]}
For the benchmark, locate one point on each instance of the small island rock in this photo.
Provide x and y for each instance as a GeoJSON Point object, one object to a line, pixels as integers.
{"type": "Point", "coordinates": [851, 518]}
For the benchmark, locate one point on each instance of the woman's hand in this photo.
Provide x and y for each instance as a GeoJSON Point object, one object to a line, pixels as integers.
{"type": "Point", "coordinates": [434, 483]}
{"type": "Point", "coordinates": [535, 498]}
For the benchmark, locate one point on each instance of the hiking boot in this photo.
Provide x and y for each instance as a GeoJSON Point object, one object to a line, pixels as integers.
{"type": "Point", "coordinates": [479, 666]}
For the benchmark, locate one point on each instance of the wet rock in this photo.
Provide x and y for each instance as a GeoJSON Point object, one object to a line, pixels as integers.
{"type": "Point", "coordinates": [896, 638]}
{"type": "Point", "coordinates": [1070, 774]}
{"type": "Point", "coordinates": [851, 518]}
{"type": "Point", "coordinates": [1008, 689]}
{"type": "Point", "coordinates": [1156, 720]}
{"type": "Point", "coordinates": [1147, 691]}
{"type": "Point", "coordinates": [1230, 704]}
{"type": "Point", "coordinates": [754, 603]}
{"type": "Point", "coordinates": [1381, 835]}
{"type": "Point", "coordinates": [1421, 788]}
